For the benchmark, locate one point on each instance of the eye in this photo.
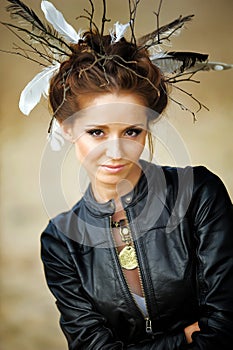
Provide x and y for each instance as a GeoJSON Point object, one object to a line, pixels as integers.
{"type": "Point", "coordinates": [95, 132]}
{"type": "Point", "coordinates": [133, 132]}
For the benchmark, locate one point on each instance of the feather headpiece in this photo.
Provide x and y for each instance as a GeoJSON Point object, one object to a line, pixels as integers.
{"type": "Point", "coordinates": [59, 23]}
{"type": "Point", "coordinates": [37, 87]}
{"type": "Point", "coordinates": [53, 42]}
{"type": "Point", "coordinates": [119, 31]}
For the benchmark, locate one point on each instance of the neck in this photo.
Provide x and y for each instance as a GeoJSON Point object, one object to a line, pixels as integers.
{"type": "Point", "coordinates": [103, 192]}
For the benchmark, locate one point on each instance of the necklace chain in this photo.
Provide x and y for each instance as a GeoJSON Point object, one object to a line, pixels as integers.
{"type": "Point", "coordinates": [124, 230]}
{"type": "Point", "coordinates": [119, 223]}
{"type": "Point", "coordinates": [127, 255]}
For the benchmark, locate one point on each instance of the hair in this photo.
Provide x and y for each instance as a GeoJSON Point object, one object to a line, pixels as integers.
{"type": "Point", "coordinates": [99, 66]}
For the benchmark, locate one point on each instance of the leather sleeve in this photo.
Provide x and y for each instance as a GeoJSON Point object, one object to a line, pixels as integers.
{"type": "Point", "coordinates": [168, 342]}
{"type": "Point", "coordinates": [83, 327]}
{"type": "Point", "coordinates": [213, 224]}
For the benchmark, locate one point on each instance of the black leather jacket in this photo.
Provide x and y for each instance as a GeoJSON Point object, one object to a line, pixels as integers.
{"type": "Point", "coordinates": [182, 225]}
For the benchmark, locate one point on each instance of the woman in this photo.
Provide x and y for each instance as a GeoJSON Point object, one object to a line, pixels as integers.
{"type": "Point", "coordinates": [126, 276]}
{"type": "Point", "coordinates": [144, 259]}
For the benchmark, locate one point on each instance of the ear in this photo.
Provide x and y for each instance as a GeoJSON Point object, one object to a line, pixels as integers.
{"type": "Point", "coordinates": [67, 132]}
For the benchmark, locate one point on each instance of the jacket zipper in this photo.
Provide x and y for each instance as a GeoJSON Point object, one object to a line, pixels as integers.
{"type": "Point", "coordinates": [148, 323]}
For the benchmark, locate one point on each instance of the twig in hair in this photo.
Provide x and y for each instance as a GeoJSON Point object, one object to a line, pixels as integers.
{"type": "Point", "coordinates": [174, 79]}
{"type": "Point", "coordinates": [24, 56]}
{"type": "Point", "coordinates": [28, 52]}
{"type": "Point", "coordinates": [27, 16]}
{"type": "Point", "coordinates": [132, 13]}
{"type": "Point", "coordinates": [89, 17]}
{"type": "Point", "coordinates": [137, 74]}
{"type": "Point", "coordinates": [104, 19]}
{"type": "Point", "coordinates": [66, 88]}
{"type": "Point", "coordinates": [37, 38]}
{"type": "Point", "coordinates": [83, 70]}
{"type": "Point", "coordinates": [183, 107]}
{"type": "Point", "coordinates": [157, 14]}
{"type": "Point", "coordinates": [163, 33]}
{"type": "Point", "coordinates": [105, 74]}
{"type": "Point", "coordinates": [34, 50]}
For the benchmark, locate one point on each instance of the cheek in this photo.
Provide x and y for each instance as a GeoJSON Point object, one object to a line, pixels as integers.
{"type": "Point", "coordinates": [81, 150]}
{"type": "Point", "coordinates": [87, 151]}
{"type": "Point", "coordinates": [133, 149]}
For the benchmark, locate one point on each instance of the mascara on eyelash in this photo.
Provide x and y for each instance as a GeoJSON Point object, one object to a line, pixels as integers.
{"type": "Point", "coordinates": [137, 131]}
{"type": "Point", "coordinates": [92, 131]}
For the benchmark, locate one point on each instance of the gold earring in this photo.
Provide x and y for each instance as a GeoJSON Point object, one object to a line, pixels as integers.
{"type": "Point", "coordinates": [150, 144]}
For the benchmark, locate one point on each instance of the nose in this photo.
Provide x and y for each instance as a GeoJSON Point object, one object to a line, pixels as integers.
{"type": "Point", "coordinates": [114, 149]}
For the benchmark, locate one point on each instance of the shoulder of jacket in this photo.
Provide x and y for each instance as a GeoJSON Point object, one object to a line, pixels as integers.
{"type": "Point", "coordinates": [206, 179]}
{"type": "Point", "coordinates": [194, 182]}
{"type": "Point", "coordinates": [63, 225]}
{"type": "Point", "coordinates": [200, 174]}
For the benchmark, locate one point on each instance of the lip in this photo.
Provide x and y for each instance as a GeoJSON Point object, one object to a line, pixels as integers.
{"type": "Point", "coordinates": [113, 169]}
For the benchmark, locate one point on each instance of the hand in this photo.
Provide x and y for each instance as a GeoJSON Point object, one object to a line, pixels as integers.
{"type": "Point", "coordinates": [189, 331]}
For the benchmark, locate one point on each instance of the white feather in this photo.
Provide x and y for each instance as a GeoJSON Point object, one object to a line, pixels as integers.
{"type": "Point", "coordinates": [158, 55]}
{"type": "Point", "coordinates": [167, 65]}
{"type": "Point", "coordinates": [56, 138]}
{"type": "Point", "coordinates": [170, 33]}
{"type": "Point", "coordinates": [59, 23]}
{"type": "Point", "coordinates": [37, 87]}
{"type": "Point", "coordinates": [120, 30]}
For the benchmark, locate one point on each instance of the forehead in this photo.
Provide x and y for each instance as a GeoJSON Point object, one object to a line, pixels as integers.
{"type": "Point", "coordinates": [109, 108]}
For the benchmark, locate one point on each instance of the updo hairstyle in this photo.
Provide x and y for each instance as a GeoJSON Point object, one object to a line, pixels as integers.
{"type": "Point", "coordinates": [99, 66]}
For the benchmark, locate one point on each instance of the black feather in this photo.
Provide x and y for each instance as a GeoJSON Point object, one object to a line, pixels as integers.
{"type": "Point", "coordinates": [157, 35]}
{"type": "Point", "coordinates": [179, 62]}
{"type": "Point", "coordinates": [188, 59]}
{"type": "Point", "coordinates": [40, 33]}
{"type": "Point", "coordinates": [19, 9]}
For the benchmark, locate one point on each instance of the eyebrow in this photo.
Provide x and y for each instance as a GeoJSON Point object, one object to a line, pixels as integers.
{"type": "Point", "coordinates": [106, 125]}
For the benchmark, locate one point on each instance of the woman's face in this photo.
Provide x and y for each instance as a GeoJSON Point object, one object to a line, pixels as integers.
{"type": "Point", "coordinates": [109, 138]}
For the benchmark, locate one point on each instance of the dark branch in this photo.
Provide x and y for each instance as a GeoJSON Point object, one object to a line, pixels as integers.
{"type": "Point", "coordinates": [157, 14]}
{"type": "Point", "coordinates": [156, 36]}
{"type": "Point", "coordinates": [33, 36]}
{"type": "Point", "coordinates": [104, 19]}
{"type": "Point", "coordinates": [24, 56]}
{"type": "Point", "coordinates": [34, 50]}
{"type": "Point", "coordinates": [132, 13]}
{"type": "Point", "coordinates": [91, 22]}
{"type": "Point", "coordinates": [18, 10]}
{"type": "Point", "coordinates": [200, 104]}
{"type": "Point", "coordinates": [91, 14]}
{"type": "Point", "coordinates": [89, 17]}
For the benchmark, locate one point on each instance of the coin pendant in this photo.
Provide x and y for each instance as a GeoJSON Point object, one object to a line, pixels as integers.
{"type": "Point", "coordinates": [128, 258]}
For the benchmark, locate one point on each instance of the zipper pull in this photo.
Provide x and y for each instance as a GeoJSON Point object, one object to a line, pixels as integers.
{"type": "Point", "coordinates": [148, 326]}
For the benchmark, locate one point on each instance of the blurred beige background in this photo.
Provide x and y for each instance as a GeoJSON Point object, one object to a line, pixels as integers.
{"type": "Point", "coordinates": [29, 319]}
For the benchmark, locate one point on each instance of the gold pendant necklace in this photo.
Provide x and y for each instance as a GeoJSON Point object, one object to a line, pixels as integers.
{"type": "Point", "coordinates": [127, 256]}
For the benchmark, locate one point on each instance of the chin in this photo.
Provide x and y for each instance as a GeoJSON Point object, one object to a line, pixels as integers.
{"type": "Point", "coordinates": [109, 179]}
